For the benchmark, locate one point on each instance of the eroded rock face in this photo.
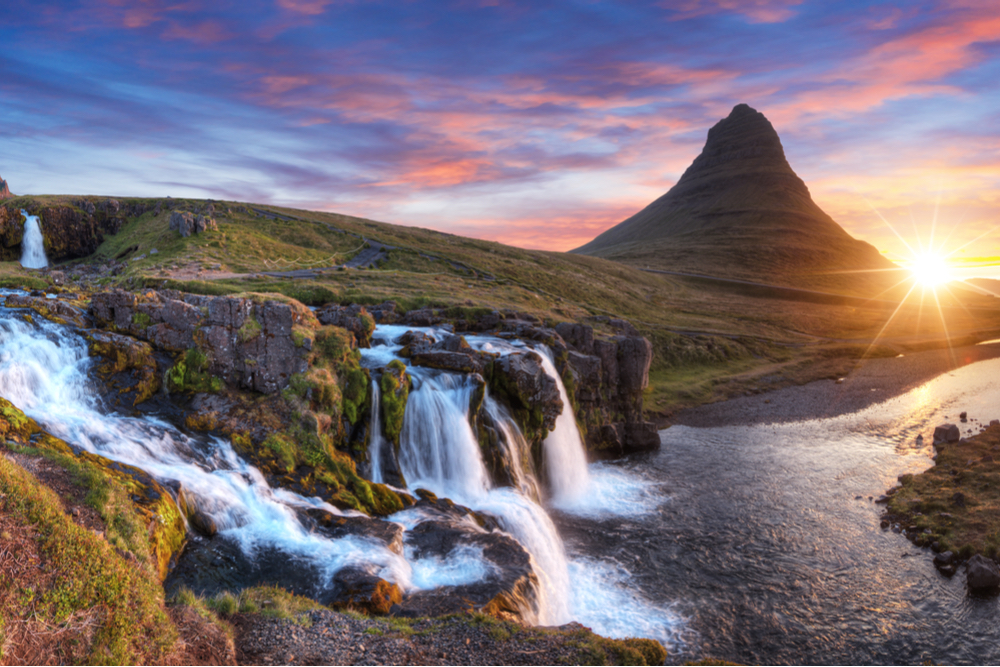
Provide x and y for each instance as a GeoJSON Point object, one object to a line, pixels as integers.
{"type": "Point", "coordinates": [69, 231]}
{"type": "Point", "coordinates": [186, 223]}
{"type": "Point", "coordinates": [247, 344]}
{"type": "Point", "coordinates": [4, 190]}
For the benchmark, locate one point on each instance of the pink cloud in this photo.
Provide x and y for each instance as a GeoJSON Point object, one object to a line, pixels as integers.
{"type": "Point", "coordinates": [757, 11]}
{"type": "Point", "coordinates": [307, 7]}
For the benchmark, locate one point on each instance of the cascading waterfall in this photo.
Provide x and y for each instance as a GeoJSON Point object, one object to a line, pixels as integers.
{"type": "Point", "coordinates": [565, 460]}
{"type": "Point", "coordinates": [33, 244]}
{"type": "Point", "coordinates": [439, 451]}
{"type": "Point", "coordinates": [43, 371]}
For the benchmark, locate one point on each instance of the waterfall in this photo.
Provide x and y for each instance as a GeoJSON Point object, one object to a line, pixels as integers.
{"type": "Point", "coordinates": [565, 458]}
{"type": "Point", "coordinates": [440, 452]}
{"type": "Point", "coordinates": [376, 441]}
{"type": "Point", "coordinates": [43, 371]}
{"type": "Point", "coordinates": [33, 244]}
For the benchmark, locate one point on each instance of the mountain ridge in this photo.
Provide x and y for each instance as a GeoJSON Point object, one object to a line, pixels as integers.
{"type": "Point", "coordinates": [740, 211]}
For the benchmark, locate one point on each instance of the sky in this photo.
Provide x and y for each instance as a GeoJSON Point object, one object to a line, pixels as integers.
{"type": "Point", "coordinates": [537, 124]}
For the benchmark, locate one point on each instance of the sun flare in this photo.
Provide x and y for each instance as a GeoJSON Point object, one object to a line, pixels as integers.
{"type": "Point", "coordinates": [930, 270]}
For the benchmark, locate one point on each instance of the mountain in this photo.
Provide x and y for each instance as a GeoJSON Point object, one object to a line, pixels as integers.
{"type": "Point", "coordinates": [988, 285]}
{"type": "Point", "coordinates": [4, 190]}
{"type": "Point", "coordinates": [740, 211]}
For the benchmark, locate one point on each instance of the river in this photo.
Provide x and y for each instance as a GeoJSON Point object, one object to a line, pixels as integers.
{"type": "Point", "coordinates": [767, 543]}
{"type": "Point", "coordinates": [755, 544]}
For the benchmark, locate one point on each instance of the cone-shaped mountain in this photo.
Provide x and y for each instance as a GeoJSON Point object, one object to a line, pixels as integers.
{"type": "Point", "coordinates": [739, 211]}
{"type": "Point", "coordinates": [4, 190]}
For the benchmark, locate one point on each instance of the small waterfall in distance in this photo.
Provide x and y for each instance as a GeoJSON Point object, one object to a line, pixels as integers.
{"type": "Point", "coordinates": [33, 244]}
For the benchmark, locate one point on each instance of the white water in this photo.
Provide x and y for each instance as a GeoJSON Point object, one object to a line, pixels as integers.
{"type": "Point", "coordinates": [439, 451]}
{"type": "Point", "coordinates": [44, 368]}
{"type": "Point", "coordinates": [33, 245]}
{"type": "Point", "coordinates": [376, 441]}
{"type": "Point", "coordinates": [565, 460]}
{"type": "Point", "coordinates": [44, 372]}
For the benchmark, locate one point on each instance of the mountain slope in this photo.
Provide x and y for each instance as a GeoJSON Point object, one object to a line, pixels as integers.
{"type": "Point", "coordinates": [740, 211]}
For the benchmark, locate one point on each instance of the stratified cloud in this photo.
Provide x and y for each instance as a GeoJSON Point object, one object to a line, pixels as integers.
{"type": "Point", "coordinates": [533, 124]}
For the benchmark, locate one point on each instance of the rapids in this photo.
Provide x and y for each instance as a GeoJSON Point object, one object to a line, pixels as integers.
{"type": "Point", "coordinates": [45, 370]}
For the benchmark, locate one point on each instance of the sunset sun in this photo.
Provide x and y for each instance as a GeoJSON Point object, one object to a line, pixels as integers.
{"type": "Point", "coordinates": [930, 270]}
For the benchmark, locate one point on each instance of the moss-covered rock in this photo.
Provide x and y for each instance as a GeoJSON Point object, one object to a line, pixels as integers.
{"type": "Point", "coordinates": [129, 368]}
{"type": "Point", "coordinates": [395, 386]}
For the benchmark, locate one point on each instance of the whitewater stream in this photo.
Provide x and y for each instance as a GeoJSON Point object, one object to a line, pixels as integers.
{"type": "Point", "coordinates": [751, 544]}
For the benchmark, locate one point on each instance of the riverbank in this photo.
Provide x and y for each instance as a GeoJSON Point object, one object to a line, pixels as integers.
{"type": "Point", "coordinates": [871, 381]}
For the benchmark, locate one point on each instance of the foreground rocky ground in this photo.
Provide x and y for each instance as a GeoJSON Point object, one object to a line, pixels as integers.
{"type": "Point", "coordinates": [329, 638]}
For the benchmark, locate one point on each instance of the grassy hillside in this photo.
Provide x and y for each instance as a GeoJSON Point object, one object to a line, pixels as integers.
{"type": "Point", "coordinates": [710, 339]}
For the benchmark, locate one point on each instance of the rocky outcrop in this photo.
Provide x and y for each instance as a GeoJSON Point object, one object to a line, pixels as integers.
{"type": "Point", "coordinates": [56, 310]}
{"type": "Point", "coordinates": [509, 590]}
{"type": "Point", "coordinates": [354, 318]}
{"type": "Point", "coordinates": [186, 223]}
{"type": "Point", "coordinates": [127, 368]}
{"type": "Point", "coordinates": [452, 353]}
{"type": "Point", "coordinates": [4, 190]}
{"type": "Point", "coordinates": [244, 343]}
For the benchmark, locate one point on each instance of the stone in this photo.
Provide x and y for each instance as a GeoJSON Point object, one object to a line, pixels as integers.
{"type": "Point", "coordinates": [182, 222]}
{"type": "Point", "coordinates": [945, 558]}
{"type": "Point", "coordinates": [964, 417]}
{"type": "Point", "coordinates": [946, 433]}
{"type": "Point", "coordinates": [359, 590]}
{"type": "Point", "coordinates": [982, 574]}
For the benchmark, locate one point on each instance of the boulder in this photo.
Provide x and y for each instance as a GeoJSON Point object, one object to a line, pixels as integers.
{"type": "Point", "coordinates": [354, 318]}
{"type": "Point", "coordinates": [182, 222]}
{"type": "Point", "coordinates": [361, 591]}
{"type": "Point", "coordinates": [946, 433]}
{"type": "Point", "coordinates": [982, 574]}
{"type": "Point", "coordinates": [509, 590]}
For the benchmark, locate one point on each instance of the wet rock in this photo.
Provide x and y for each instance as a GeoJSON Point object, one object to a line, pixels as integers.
{"type": "Point", "coordinates": [354, 318]}
{"type": "Point", "coordinates": [509, 589]}
{"type": "Point", "coordinates": [522, 378]}
{"type": "Point", "coordinates": [338, 526]}
{"type": "Point", "coordinates": [53, 309]}
{"type": "Point", "coordinates": [128, 370]}
{"type": "Point", "coordinates": [946, 433]}
{"type": "Point", "coordinates": [982, 574]}
{"type": "Point", "coordinates": [359, 590]}
{"type": "Point", "coordinates": [963, 417]}
{"type": "Point", "coordinates": [945, 558]}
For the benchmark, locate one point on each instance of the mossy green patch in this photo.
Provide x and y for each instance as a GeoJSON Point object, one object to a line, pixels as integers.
{"type": "Point", "coordinates": [189, 374]}
{"type": "Point", "coordinates": [395, 386]}
{"type": "Point", "coordinates": [132, 627]}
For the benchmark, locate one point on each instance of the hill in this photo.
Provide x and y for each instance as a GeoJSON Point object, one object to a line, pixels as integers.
{"type": "Point", "coordinates": [740, 211]}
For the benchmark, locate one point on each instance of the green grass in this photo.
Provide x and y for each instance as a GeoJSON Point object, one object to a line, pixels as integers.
{"type": "Point", "coordinates": [133, 627]}
{"type": "Point", "coordinates": [928, 500]}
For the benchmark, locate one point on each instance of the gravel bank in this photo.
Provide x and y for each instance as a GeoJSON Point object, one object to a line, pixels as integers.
{"type": "Point", "coordinates": [871, 381]}
{"type": "Point", "coordinates": [331, 638]}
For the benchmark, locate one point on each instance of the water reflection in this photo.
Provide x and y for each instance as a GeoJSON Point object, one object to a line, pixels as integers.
{"type": "Point", "coordinates": [770, 542]}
